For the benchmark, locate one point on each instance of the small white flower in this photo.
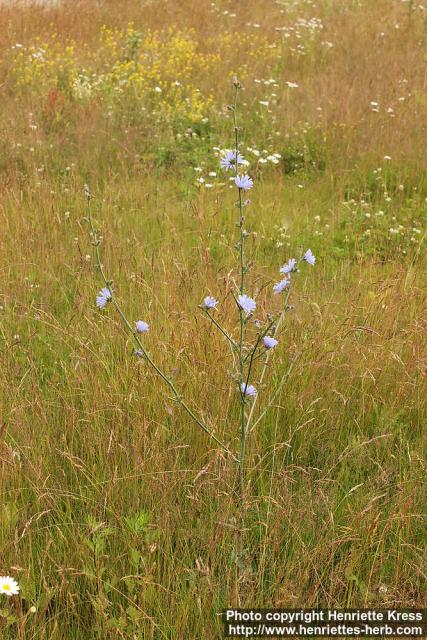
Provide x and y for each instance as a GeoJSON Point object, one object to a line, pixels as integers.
{"type": "Point", "coordinates": [8, 586]}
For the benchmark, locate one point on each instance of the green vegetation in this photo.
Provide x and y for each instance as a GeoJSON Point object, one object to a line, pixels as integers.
{"type": "Point", "coordinates": [119, 519]}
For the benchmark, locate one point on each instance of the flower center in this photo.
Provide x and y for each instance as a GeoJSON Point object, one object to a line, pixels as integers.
{"type": "Point", "coordinates": [6, 587]}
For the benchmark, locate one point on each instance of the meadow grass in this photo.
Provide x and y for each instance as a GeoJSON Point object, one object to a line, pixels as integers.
{"type": "Point", "coordinates": [119, 519]}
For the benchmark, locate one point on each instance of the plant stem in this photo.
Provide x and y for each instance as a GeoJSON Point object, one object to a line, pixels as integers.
{"type": "Point", "coordinates": [148, 358]}
{"type": "Point", "coordinates": [267, 359]}
{"type": "Point", "coordinates": [224, 333]}
{"type": "Point", "coordinates": [251, 361]}
{"type": "Point", "coordinates": [241, 312]}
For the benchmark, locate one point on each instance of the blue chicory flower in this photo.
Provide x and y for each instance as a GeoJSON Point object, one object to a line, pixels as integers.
{"type": "Point", "coordinates": [103, 297]}
{"type": "Point", "coordinates": [309, 257]}
{"type": "Point", "coordinates": [210, 303]}
{"type": "Point", "coordinates": [244, 182]}
{"type": "Point", "coordinates": [269, 342]}
{"type": "Point", "coordinates": [248, 390]}
{"type": "Point", "coordinates": [246, 303]}
{"type": "Point", "coordinates": [289, 266]}
{"type": "Point", "coordinates": [281, 286]}
{"type": "Point", "coordinates": [229, 160]}
{"type": "Point", "coordinates": [141, 326]}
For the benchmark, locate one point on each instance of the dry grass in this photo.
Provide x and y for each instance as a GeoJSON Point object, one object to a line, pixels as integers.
{"type": "Point", "coordinates": [119, 519]}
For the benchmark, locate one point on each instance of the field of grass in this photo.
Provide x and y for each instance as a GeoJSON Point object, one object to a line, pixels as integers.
{"type": "Point", "coordinates": [119, 517]}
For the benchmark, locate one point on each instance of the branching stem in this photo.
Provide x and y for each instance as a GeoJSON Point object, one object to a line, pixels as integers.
{"type": "Point", "coordinates": [176, 395]}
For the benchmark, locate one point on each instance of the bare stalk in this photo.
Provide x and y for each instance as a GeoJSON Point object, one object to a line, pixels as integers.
{"type": "Point", "coordinates": [241, 357]}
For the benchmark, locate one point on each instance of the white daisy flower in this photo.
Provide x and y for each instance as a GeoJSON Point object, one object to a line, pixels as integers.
{"type": "Point", "coordinates": [8, 586]}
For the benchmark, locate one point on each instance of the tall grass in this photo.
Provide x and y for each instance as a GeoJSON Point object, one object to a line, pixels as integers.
{"type": "Point", "coordinates": [118, 519]}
